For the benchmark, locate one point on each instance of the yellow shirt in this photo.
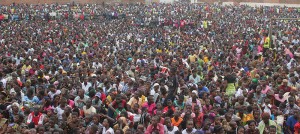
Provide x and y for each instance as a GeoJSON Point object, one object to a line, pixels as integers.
{"type": "Point", "coordinates": [158, 50]}
{"type": "Point", "coordinates": [205, 59]}
{"type": "Point", "coordinates": [192, 58]}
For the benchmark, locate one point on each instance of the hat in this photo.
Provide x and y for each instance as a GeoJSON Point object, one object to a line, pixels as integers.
{"type": "Point", "coordinates": [218, 99]}
{"type": "Point", "coordinates": [132, 67]}
{"type": "Point", "coordinates": [254, 80]}
{"type": "Point", "coordinates": [93, 75]}
{"type": "Point", "coordinates": [60, 67]}
{"type": "Point", "coordinates": [98, 94]}
{"type": "Point", "coordinates": [285, 80]}
{"type": "Point", "coordinates": [143, 78]}
{"type": "Point", "coordinates": [56, 83]}
{"type": "Point", "coordinates": [195, 92]}
{"type": "Point", "coordinates": [156, 84]}
{"type": "Point", "coordinates": [132, 79]}
{"type": "Point", "coordinates": [15, 104]}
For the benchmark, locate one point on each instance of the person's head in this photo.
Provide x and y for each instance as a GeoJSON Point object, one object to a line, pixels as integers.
{"type": "Point", "coordinates": [119, 131]}
{"type": "Point", "coordinates": [41, 129]}
{"type": "Point", "coordinates": [169, 102]}
{"type": "Point", "coordinates": [89, 103]}
{"type": "Point", "coordinates": [251, 125]}
{"type": "Point", "coordinates": [207, 123]}
{"type": "Point", "coordinates": [81, 93]}
{"type": "Point", "coordinates": [105, 123]}
{"type": "Point", "coordinates": [281, 93]}
{"type": "Point", "coordinates": [168, 122]}
{"type": "Point", "coordinates": [150, 99]}
{"type": "Point", "coordinates": [189, 125]}
{"type": "Point", "coordinates": [52, 88]}
{"type": "Point", "coordinates": [240, 130]}
{"type": "Point", "coordinates": [63, 101]}
{"type": "Point", "coordinates": [291, 101]}
{"type": "Point", "coordinates": [219, 130]}
{"type": "Point", "coordinates": [272, 129]}
{"type": "Point", "coordinates": [155, 120]}
{"type": "Point", "coordinates": [93, 129]}
{"type": "Point", "coordinates": [118, 98]}
{"type": "Point", "coordinates": [241, 99]}
{"type": "Point", "coordinates": [140, 128]}
{"type": "Point", "coordinates": [266, 118]}
{"type": "Point", "coordinates": [218, 120]}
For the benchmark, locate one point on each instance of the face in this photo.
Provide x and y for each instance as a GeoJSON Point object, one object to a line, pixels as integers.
{"type": "Point", "coordinates": [168, 122]}
{"type": "Point", "coordinates": [252, 125]}
{"type": "Point", "coordinates": [272, 130]}
{"type": "Point", "coordinates": [190, 125]}
{"type": "Point", "coordinates": [266, 119]}
{"type": "Point", "coordinates": [154, 121]}
{"type": "Point", "coordinates": [241, 131]}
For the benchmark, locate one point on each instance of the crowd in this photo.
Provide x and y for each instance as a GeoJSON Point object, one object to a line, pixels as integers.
{"type": "Point", "coordinates": [153, 69]}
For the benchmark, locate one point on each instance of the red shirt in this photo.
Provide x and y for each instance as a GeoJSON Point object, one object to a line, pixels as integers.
{"type": "Point", "coordinates": [285, 88]}
{"type": "Point", "coordinates": [115, 105]}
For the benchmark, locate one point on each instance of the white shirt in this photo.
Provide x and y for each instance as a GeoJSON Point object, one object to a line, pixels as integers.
{"type": "Point", "coordinates": [59, 112]}
{"type": "Point", "coordinates": [86, 87]}
{"type": "Point", "coordinates": [196, 79]}
{"type": "Point", "coordinates": [108, 131]}
{"type": "Point", "coordinates": [89, 111]}
{"type": "Point", "coordinates": [184, 131]}
{"type": "Point", "coordinates": [170, 132]}
{"type": "Point", "coordinates": [51, 94]}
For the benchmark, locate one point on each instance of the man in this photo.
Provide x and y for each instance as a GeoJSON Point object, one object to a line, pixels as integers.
{"type": "Point", "coordinates": [292, 120]}
{"type": "Point", "coordinates": [284, 86]}
{"type": "Point", "coordinates": [266, 44]}
{"type": "Point", "coordinates": [265, 124]}
{"type": "Point", "coordinates": [88, 109]}
{"type": "Point", "coordinates": [35, 117]}
{"type": "Point", "coordinates": [81, 99]}
{"type": "Point", "coordinates": [53, 91]}
{"type": "Point", "coordinates": [155, 127]}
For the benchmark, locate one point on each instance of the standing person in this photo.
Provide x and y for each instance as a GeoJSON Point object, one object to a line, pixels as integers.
{"type": "Point", "coordinates": [230, 80]}
{"type": "Point", "coordinates": [291, 121]}
{"type": "Point", "coordinates": [266, 44]}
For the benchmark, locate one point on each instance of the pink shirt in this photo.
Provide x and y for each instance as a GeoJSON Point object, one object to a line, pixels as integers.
{"type": "Point", "coordinates": [151, 129]}
{"type": "Point", "coordinates": [150, 108]}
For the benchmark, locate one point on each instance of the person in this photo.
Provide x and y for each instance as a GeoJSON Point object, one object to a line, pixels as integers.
{"type": "Point", "coordinates": [291, 121]}
{"type": "Point", "coordinates": [264, 125]}
{"type": "Point", "coordinates": [169, 128]}
{"type": "Point", "coordinates": [251, 128]}
{"type": "Point", "coordinates": [240, 130]}
{"type": "Point", "coordinates": [88, 109]}
{"type": "Point", "coordinates": [155, 127]}
{"type": "Point", "coordinates": [106, 128]}
{"type": "Point", "coordinates": [35, 117]}
{"type": "Point", "coordinates": [189, 128]}
{"type": "Point", "coordinates": [81, 99]}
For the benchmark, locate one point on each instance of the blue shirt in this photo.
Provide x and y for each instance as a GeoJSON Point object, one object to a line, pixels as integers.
{"type": "Point", "coordinates": [291, 121]}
